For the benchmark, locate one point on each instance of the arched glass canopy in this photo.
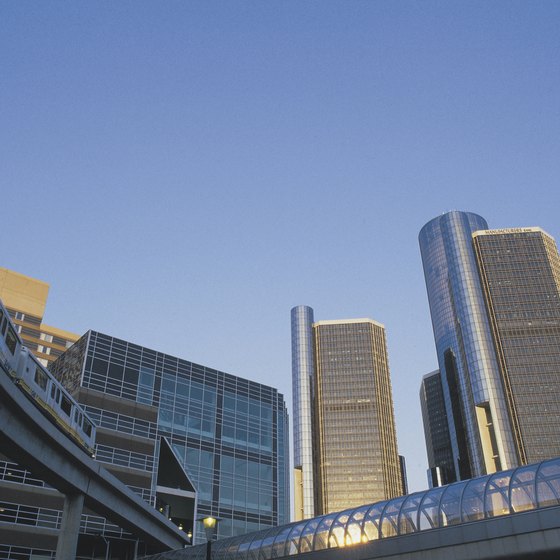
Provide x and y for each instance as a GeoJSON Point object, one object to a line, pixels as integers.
{"type": "Point", "coordinates": [524, 488]}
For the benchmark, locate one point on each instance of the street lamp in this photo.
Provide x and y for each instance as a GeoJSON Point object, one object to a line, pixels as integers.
{"type": "Point", "coordinates": [210, 526]}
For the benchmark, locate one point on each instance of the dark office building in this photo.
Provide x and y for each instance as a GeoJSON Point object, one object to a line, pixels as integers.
{"type": "Point", "coordinates": [436, 431]}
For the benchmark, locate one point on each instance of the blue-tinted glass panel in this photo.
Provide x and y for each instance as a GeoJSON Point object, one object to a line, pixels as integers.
{"type": "Point", "coordinates": [145, 385]}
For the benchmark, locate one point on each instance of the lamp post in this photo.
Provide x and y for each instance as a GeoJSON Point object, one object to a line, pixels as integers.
{"type": "Point", "coordinates": [210, 527]}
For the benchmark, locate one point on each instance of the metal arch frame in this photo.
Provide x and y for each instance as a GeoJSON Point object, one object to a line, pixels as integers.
{"type": "Point", "coordinates": [379, 527]}
{"type": "Point", "coordinates": [254, 552]}
{"type": "Point", "coordinates": [309, 537]}
{"type": "Point", "coordinates": [410, 497]}
{"type": "Point", "coordinates": [461, 502]}
{"type": "Point", "coordinates": [536, 482]}
{"type": "Point", "coordinates": [334, 526]}
{"type": "Point", "coordinates": [324, 518]}
{"type": "Point", "coordinates": [465, 483]}
{"type": "Point", "coordinates": [391, 502]}
{"type": "Point", "coordinates": [533, 484]}
{"type": "Point", "coordinates": [247, 552]}
{"type": "Point", "coordinates": [487, 487]}
{"type": "Point", "coordinates": [380, 516]}
{"type": "Point", "coordinates": [270, 533]}
{"type": "Point", "coordinates": [426, 494]}
{"type": "Point", "coordinates": [469, 483]}
{"type": "Point", "coordinates": [225, 548]}
{"type": "Point", "coordinates": [359, 523]}
{"type": "Point", "coordinates": [281, 530]}
{"type": "Point", "coordinates": [510, 489]}
{"type": "Point", "coordinates": [546, 481]}
{"type": "Point", "coordinates": [300, 524]}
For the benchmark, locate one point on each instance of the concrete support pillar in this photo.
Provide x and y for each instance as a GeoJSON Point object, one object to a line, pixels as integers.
{"type": "Point", "coordinates": [69, 527]}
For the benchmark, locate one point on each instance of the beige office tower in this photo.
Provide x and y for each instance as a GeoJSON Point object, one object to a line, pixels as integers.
{"type": "Point", "coordinates": [520, 276]}
{"type": "Point", "coordinates": [345, 445]}
{"type": "Point", "coordinates": [26, 298]}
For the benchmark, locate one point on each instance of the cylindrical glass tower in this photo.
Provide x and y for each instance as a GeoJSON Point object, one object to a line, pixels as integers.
{"type": "Point", "coordinates": [303, 368]}
{"type": "Point", "coordinates": [479, 425]}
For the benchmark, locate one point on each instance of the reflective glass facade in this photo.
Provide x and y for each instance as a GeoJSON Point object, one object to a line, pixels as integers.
{"type": "Point", "coordinates": [508, 492]}
{"type": "Point", "coordinates": [436, 430]}
{"type": "Point", "coordinates": [520, 271]}
{"type": "Point", "coordinates": [479, 425]}
{"type": "Point", "coordinates": [303, 371]}
{"type": "Point", "coordinates": [344, 429]}
{"type": "Point", "coordinates": [227, 433]}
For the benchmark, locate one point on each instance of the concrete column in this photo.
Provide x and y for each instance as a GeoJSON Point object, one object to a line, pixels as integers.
{"type": "Point", "coordinates": [69, 527]}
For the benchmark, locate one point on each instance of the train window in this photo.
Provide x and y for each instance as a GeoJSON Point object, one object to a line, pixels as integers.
{"type": "Point", "coordinates": [41, 379]}
{"type": "Point", "coordinates": [11, 340]}
{"type": "Point", "coordinates": [53, 391]}
{"type": "Point", "coordinates": [87, 427]}
{"type": "Point", "coordinates": [66, 405]}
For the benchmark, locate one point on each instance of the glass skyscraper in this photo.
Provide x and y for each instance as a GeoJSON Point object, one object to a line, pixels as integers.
{"type": "Point", "coordinates": [436, 430]}
{"type": "Point", "coordinates": [479, 425]}
{"type": "Point", "coordinates": [345, 444]}
{"type": "Point", "coordinates": [488, 291]}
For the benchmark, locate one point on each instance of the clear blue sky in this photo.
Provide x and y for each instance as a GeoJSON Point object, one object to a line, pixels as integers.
{"type": "Point", "coordinates": [182, 173]}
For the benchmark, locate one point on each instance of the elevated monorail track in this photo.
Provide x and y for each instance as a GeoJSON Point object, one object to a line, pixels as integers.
{"type": "Point", "coordinates": [27, 437]}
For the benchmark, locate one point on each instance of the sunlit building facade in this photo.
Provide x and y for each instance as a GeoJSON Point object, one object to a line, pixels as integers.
{"type": "Point", "coordinates": [520, 272]}
{"type": "Point", "coordinates": [26, 299]}
{"type": "Point", "coordinates": [345, 433]}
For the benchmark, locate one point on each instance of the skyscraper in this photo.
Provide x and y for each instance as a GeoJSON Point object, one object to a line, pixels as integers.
{"type": "Point", "coordinates": [345, 444]}
{"type": "Point", "coordinates": [494, 304]}
{"type": "Point", "coordinates": [520, 272]}
{"type": "Point", "coordinates": [436, 430]}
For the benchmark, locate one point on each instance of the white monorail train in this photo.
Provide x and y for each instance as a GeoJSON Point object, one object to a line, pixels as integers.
{"type": "Point", "coordinates": [41, 386]}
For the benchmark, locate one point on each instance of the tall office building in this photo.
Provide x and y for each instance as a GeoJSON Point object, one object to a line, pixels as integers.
{"type": "Point", "coordinates": [25, 299]}
{"type": "Point", "coordinates": [479, 425]}
{"type": "Point", "coordinates": [520, 272]}
{"type": "Point", "coordinates": [345, 444]}
{"type": "Point", "coordinates": [494, 303]}
{"type": "Point", "coordinates": [436, 430]}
